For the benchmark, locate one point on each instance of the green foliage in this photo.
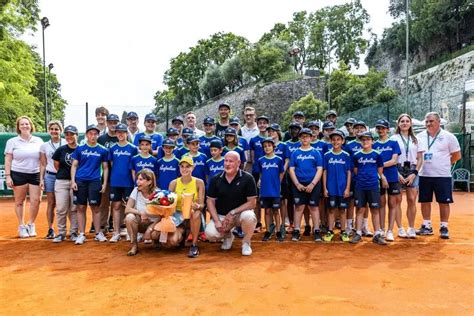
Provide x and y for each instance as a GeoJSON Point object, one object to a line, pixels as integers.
{"type": "Point", "coordinates": [213, 82]}
{"type": "Point", "coordinates": [385, 95]}
{"type": "Point", "coordinates": [354, 98]}
{"type": "Point", "coordinates": [16, 16]}
{"type": "Point", "coordinates": [162, 100]}
{"type": "Point", "coordinates": [313, 108]}
{"type": "Point", "coordinates": [233, 73]}
{"type": "Point", "coordinates": [444, 58]}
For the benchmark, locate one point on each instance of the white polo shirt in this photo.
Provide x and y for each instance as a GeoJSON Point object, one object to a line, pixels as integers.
{"type": "Point", "coordinates": [413, 149]}
{"type": "Point", "coordinates": [437, 157]}
{"type": "Point", "coordinates": [48, 149]}
{"type": "Point", "coordinates": [249, 133]}
{"type": "Point", "coordinates": [26, 154]}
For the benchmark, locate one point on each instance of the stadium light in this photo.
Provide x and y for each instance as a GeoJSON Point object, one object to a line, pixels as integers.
{"type": "Point", "coordinates": [44, 25]}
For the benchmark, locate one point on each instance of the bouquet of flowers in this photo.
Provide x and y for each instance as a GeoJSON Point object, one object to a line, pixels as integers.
{"type": "Point", "coordinates": [163, 203]}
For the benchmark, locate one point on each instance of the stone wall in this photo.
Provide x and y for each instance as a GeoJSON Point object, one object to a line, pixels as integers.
{"type": "Point", "coordinates": [272, 99]}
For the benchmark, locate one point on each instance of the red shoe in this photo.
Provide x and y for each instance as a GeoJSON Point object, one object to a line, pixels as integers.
{"type": "Point", "coordinates": [202, 236]}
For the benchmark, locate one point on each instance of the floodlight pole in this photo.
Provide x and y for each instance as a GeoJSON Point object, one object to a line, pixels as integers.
{"type": "Point", "coordinates": [44, 25]}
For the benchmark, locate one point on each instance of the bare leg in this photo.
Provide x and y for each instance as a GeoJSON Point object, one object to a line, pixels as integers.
{"type": "Point", "coordinates": [268, 218]}
{"type": "Point", "coordinates": [411, 206]}
{"type": "Point", "coordinates": [117, 213]}
{"type": "Point", "coordinates": [375, 218]}
{"type": "Point", "coordinates": [19, 193]}
{"type": "Point", "coordinates": [426, 211]}
{"type": "Point", "coordinates": [315, 217]}
{"type": "Point", "coordinates": [96, 216]}
{"type": "Point", "coordinates": [195, 225]}
{"type": "Point", "coordinates": [51, 199]}
{"type": "Point", "coordinates": [444, 211]}
{"type": "Point", "coordinates": [81, 218]}
{"type": "Point", "coordinates": [35, 198]}
{"type": "Point", "coordinates": [297, 217]}
{"type": "Point", "coordinates": [382, 211]}
{"type": "Point", "coordinates": [331, 218]}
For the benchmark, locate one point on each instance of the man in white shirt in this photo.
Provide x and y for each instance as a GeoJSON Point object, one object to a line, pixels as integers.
{"type": "Point", "coordinates": [249, 131]}
{"type": "Point", "coordinates": [442, 150]}
{"type": "Point", "coordinates": [132, 123]}
{"type": "Point", "coordinates": [191, 123]}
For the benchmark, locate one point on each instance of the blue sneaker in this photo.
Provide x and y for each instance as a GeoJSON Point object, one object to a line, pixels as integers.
{"type": "Point", "coordinates": [425, 231]}
{"type": "Point", "coordinates": [238, 232]}
{"type": "Point", "coordinates": [443, 231]}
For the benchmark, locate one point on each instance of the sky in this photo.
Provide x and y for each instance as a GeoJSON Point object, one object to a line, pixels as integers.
{"type": "Point", "coordinates": [114, 52]}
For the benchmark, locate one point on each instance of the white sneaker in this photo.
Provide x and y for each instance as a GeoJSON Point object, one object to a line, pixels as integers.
{"type": "Point", "coordinates": [148, 241]}
{"type": "Point", "coordinates": [389, 236]}
{"type": "Point", "coordinates": [411, 233]}
{"type": "Point", "coordinates": [227, 243]}
{"type": "Point", "coordinates": [59, 238]}
{"type": "Point", "coordinates": [100, 237]}
{"type": "Point", "coordinates": [366, 232]}
{"type": "Point", "coordinates": [115, 238]}
{"type": "Point", "coordinates": [32, 230]}
{"type": "Point", "coordinates": [23, 231]}
{"type": "Point", "coordinates": [139, 237]}
{"type": "Point", "coordinates": [246, 249]}
{"type": "Point", "coordinates": [402, 233]}
{"type": "Point", "coordinates": [80, 239]}
{"type": "Point", "coordinates": [123, 232]}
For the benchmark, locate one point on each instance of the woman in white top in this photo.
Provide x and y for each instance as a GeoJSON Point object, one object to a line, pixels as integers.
{"type": "Point", "coordinates": [48, 171]}
{"type": "Point", "coordinates": [409, 164]}
{"type": "Point", "coordinates": [22, 168]}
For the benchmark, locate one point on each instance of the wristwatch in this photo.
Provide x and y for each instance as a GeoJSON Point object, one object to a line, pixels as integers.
{"type": "Point", "coordinates": [233, 212]}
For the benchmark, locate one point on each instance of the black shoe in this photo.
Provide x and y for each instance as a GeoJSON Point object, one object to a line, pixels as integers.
{"type": "Point", "coordinates": [443, 231]}
{"type": "Point", "coordinates": [338, 224]}
{"type": "Point", "coordinates": [267, 236]}
{"type": "Point", "coordinates": [280, 237]}
{"type": "Point", "coordinates": [92, 230]}
{"type": "Point", "coordinates": [50, 234]}
{"type": "Point", "coordinates": [238, 232]}
{"type": "Point", "coordinates": [307, 230]}
{"type": "Point", "coordinates": [425, 231]}
{"type": "Point", "coordinates": [193, 251]}
{"type": "Point", "coordinates": [379, 240]}
{"type": "Point", "coordinates": [296, 235]}
{"type": "Point", "coordinates": [324, 229]}
{"type": "Point", "coordinates": [356, 239]}
{"type": "Point", "coordinates": [317, 236]}
{"type": "Point", "coordinates": [111, 228]}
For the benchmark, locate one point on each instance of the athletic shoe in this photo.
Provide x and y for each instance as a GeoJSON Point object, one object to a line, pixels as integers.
{"type": "Point", "coordinates": [267, 236]}
{"type": "Point", "coordinates": [307, 230]}
{"type": "Point", "coordinates": [338, 224]}
{"type": "Point", "coordinates": [324, 229]}
{"type": "Point", "coordinates": [279, 236]}
{"type": "Point", "coordinates": [73, 237]}
{"type": "Point", "coordinates": [317, 236]}
{"type": "Point", "coordinates": [272, 228]}
{"type": "Point", "coordinates": [283, 230]}
{"type": "Point", "coordinates": [227, 243]}
{"type": "Point", "coordinates": [425, 231]}
{"type": "Point", "coordinates": [50, 234]}
{"type": "Point", "coordinates": [115, 238]}
{"type": "Point", "coordinates": [92, 230]}
{"type": "Point", "coordinates": [110, 228]}
{"type": "Point", "coordinates": [411, 233]}
{"type": "Point", "coordinates": [258, 228]}
{"type": "Point", "coordinates": [148, 241]}
{"type": "Point", "coordinates": [100, 237]}
{"type": "Point", "coordinates": [193, 251]}
{"type": "Point", "coordinates": [328, 237]}
{"type": "Point", "coordinates": [379, 240]}
{"type": "Point", "coordinates": [246, 249]}
{"type": "Point", "coordinates": [237, 231]}
{"type": "Point", "coordinates": [59, 238]}
{"type": "Point", "coordinates": [123, 231]}
{"type": "Point", "coordinates": [202, 237]}
{"type": "Point", "coordinates": [443, 231]}
{"type": "Point", "coordinates": [23, 231]}
{"type": "Point", "coordinates": [402, 233]}
{"type": "Point", "coordinates": [139, 237]}
{"type": "Point", "coordinates": [80, 239]}
{"type": "Point", "coordinates": [296, 236]}
{"type": "Point", "coordinates": [356, 239]}
{"type": "Point", "coordinates": [389, 236]}
{"type": "Point", "coordinates": [345, 236]}
{"type": "Point", "coordinates": [32, 230]}
{"type": "Point", "coordinates": [367, 233]}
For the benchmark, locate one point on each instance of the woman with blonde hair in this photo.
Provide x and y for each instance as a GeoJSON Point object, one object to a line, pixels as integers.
{"type": "Point", "coordinates": [22, 170]}
{"type": "Point", "coordinates": [48, 171]}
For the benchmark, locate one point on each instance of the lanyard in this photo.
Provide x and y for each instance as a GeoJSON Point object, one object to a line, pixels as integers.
{"type": "Point", "coordinates": [407, 145]}
{"type": "Point", "coordinates": [54, 147]}
{"type": "Point", "coordinates": [428, 139]}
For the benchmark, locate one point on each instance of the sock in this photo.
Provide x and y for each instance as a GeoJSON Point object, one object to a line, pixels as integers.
{"type": "Point", "coordinates": [359, 232]}
{"type": "Point", "coordinates": [349, 224]}
{"type": "Point", "coordinates": [365, 223]}
{"type": "Point", "coordinates": [427, 223]}
{"type": "Point", "coordinates": [296, 228]}
{"type": "Point", "coordinates": [444, 224]}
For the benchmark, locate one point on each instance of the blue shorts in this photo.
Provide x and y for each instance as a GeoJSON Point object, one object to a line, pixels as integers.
{"type": "Point", "coordinates": [49, 181]}
{"type": "Point", "coordinates": [88, 191]}
{"type": "Point", "coordinates": [364, 197]}
{"type": "Point", "coordinates": [120, 193]}
{"type": "Point", "coordinates": [394, 188]}
{"type": "Point", "coordinates": [270, 202]}
{"type": "Point", "coordinates": [336, 202]}
{"type": "Point", "coordinates": [415, 183]}
{"type": "Point", "coordinates": [304, 198]}
{"type": "Point", "coordinates": [441, 186]}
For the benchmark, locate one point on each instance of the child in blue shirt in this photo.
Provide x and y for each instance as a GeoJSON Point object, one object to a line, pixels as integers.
{"type": "Point", "coordinates": [209, 128]}
{"type": "Point", "coordinates": [199, 159]}
{"type": "Point", "coordinates": [271, 168]}
{"type": "Point", "coordinates": [156, 139]}
{"type": "Point", "coordinates": [368, 167]}
{"type": "Point", "coordinates": [143, 159]}
{"type": "Point", "coordinates": [306, 169]}
{"type": "Point", "coordinates": [231, 142]}
{"type": "Point", "coordinates": [337, 183]}
{"type": "Point", "coordinates": [214, 165]}
{"type": "Point", "coordinates": [167, 168]}
{"type": "Point", "coordinates": [184, 149]}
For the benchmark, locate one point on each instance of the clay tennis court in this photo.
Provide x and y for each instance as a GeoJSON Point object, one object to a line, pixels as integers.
{"type": "Point", "coordinates": [422, 276]}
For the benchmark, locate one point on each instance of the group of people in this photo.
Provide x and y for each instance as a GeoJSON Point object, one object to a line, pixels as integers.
{"type": "Point", "coordinates": [312, 172]}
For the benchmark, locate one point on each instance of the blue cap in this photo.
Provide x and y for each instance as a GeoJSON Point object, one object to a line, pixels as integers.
{"type": "Point", "coordinates": [263, 117]}
{"type": "Point", "coordinates": [132, 115]}
{"type": "Point", "coordinates": [328, 125]}
{"type": "Point", "coordinates": [172, 131]}
{"type": "Point", "coordinates": [121, 128]}
{"type": "Point", "coordinates": [187, 131]}
{"type": "Point", "coordinates": [306, 131]}
{"type": "Point", "coordinates": [268, 140]}
{"type": "Point", "coordinates": [350, 120]}
{"type": "Point", "coordinates": [177, 119]}
{"type": "Point", "coordinates": [209, 120]}
{"type": "Point", "coordinates": [234, 120]}
{"type": "Point", "coordinates": [71, 129]}
{"type": "Point", "coordinates": [168, 142]}
{"type": "Point", "coordinates": [192, 138]}
{"type": "Point", "coordinates": [295, 125]}
{"type": "Point", "coordinates": [274, 127]}
{"type": "Point", "coordinates": [313, 123]}
{"type": "Point", "coordinates": [230, 131]}
{"type": "Point", "coordinates": [382, 123]}
{"type": "Point", "coordinates": [216, 143]}
{"type": "Point", "coordinates": [366, 134]}
{"type": "Point", "coordinates": [337, 133]}
{"type": "Point", "coordinates": [113, 117]}
{"type": "Point", "coordinates": [145, 137]}
{"type": "Point", "coordinates": [150, 117]}
{"type": "Point", "coordinates": [298, 113]}
{"type": "Point", "coordinates": [91, 127]}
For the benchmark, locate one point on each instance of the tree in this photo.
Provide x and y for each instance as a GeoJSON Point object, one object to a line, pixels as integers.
{"type": "Point", "coordinates": [354, 98]}
{"type": "Point", "coordinates": [233, 73]}
{"type": "Point", "coordinates": [314, 109]}
{"type": "Point", "coordinates": [213, 82]}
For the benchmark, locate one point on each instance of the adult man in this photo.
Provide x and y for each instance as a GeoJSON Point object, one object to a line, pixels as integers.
{"type": "Point", "coordinates": [231, 198]}
{"type": "Point", "coordinates": [100, 116]}
{"type": "Point", "coordinates": [349, 125]}
{"type": "Point", "coordinates": [223, 123]}
{"type": "Point", "coordinates": [331, 116]}
{"type": "Point", "coordinates": [250, 129]}
{"type": "Point", "coordinates": [298, 117]}
{"type": "Point", "coordinates": [132, 122]}
{"type": "Point", "coordinates": [441, 151]}
{"type": "Point", "coordinates": [191, 123]}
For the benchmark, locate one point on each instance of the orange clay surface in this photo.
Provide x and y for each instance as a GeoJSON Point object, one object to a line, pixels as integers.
{"type": "Point", "coordinates": [422, 276]}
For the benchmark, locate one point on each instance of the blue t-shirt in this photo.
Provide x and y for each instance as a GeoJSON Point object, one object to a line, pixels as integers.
{"type": "Point", "coordinates": [256, 147]}
{"type": "Point", "coordinates": [336, 166]}
{"type": "Point", "coordinates": [244, 143]}
{"type": "Point", "coordinates": [140, 162]}
{"type": "Point", "coordinates": [306, 162]}
{"type": "Point", "coordinates": [179, 142]}
{"type": "Point", "coordinates": [386, 150]}
{"type": "Point", "coordinates": [291, 147]}
{"type": "Point", "coordinates": [167, 170]}
{"type": "Point", "coordinates": [328, 146]}
{"type": "Point", "coordinates": [161, 152]}
{"type": "Point", "coordinates": [90, 160]}
{"type": "Point", "coordinates": [214, 167]}
{"type": "Point", "coordinates": [156, 139]}
{"type": "Point", "coordinates": [199, 165]}
{"type": "Point", "coordinates": [237, 149]}
{"type": "Point", "coordinates": [205, 143]}
{"type": "Point", "coordinates": [281, 151]}
{"type": "Point", "coordinates": [367, 177]}
{"type": "Point", "coordinates": [120, 156]}
{"type": "Point", "coordinates": [352, 147]}
{"type": "Point", "coordinates": [180, 152]}
{"type": "Point", "coordinates": [320, 146]}
{"type": "Point", "coordinates": [270, 169]}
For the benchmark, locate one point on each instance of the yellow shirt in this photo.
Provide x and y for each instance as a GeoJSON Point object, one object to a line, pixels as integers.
{"type": "Point", "coordinates": [190, 188]}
